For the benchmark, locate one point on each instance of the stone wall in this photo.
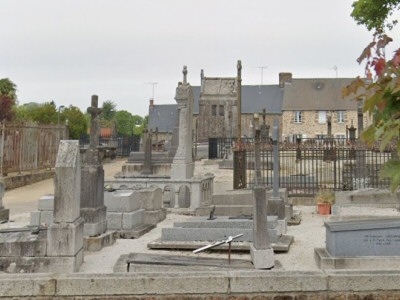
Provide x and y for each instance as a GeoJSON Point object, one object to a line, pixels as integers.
{"type": "Point", "coordinates": [210, 285]}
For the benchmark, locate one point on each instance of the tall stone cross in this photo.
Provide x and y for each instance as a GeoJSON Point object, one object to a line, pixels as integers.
{"type": "Point", "coordinates": [94, 112]}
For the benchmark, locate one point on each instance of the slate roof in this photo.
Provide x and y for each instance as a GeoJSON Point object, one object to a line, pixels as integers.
{"type": "Point", "coordinates": [317, 94]}
{"type": "Point", "coordinates": [254, 98]}
{"type": "Point", "coordinates": [163, 116]}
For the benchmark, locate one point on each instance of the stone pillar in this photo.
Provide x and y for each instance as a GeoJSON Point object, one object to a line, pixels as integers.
{"type": "Point", "coordinates": [182, 166]}
{"type": "Point", "coordinates": [147, 165]}
{"type": "Point", "coordinates": [276, 205]}
{"type": "Point", "coordinates": [176, 201]}
{"type": "Point", "coordinates": [4, 213]}
{"type": "Point", "coordinates": [93, 210]}
{"type": "Point", "coordinates": [262, 255]}
{"type": "Point", "coordinates": [65, 235]}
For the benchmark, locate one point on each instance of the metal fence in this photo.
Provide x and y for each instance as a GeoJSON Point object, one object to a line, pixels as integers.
{"type": "Point", "coordinates": [27, 147]}
{"type": "Point", "coordinates": [123, 145]}
{"type": "Point", "coordinates": [308, 166]}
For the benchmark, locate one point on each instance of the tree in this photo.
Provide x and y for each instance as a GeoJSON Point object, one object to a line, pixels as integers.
{"type": "Point", "coordinates": [77, 124]}
{"type": "Point", "coordinates": [8, 88]}
{"type": "Point", "coordinates": [108, 110]}
{"type": "Point", "coordinates": [124, 123]}
{"type": "Point", "coordinates": [6, 108]}
{"type": "Point", "coordinates": [45, 113]}
{"type": "Point", "coordinates": [381, 94]}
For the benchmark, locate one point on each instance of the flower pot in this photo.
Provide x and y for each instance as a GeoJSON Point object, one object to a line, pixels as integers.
{"type": "Point", "coordinates": [324, 208]}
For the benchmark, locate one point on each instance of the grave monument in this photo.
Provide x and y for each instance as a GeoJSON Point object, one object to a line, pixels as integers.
{"type": "Point", "coordinates": [4, 213]}
{"type": "Point", "coordinates": [93, 209]}
{"type": "Point", "coordinates": [262, 255]}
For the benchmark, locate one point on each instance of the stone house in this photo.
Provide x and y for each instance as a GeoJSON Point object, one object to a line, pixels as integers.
{"type": "Point", "coordinates": [303, 106]}
{"type": "Point", "coordinates": [309, 103]}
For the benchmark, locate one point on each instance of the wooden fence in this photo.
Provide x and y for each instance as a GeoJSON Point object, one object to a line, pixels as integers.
{"type": "Point", "coordinates": [27, 147]}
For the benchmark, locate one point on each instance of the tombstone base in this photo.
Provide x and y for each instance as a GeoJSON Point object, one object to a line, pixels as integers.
{"type": "Point", "coordinates": [276, 207]}
{"type": "Point", "coordinates": [65, 239]}
{"type": "Point", "coordinates": [95, 220]}
{"type": "Point", "coordinates": [325, 261]}
{"type": "Point", "coordinates": [263, 258]}
{"type": "Point", "coordinates": [181, 170]}
{"type": "Point", "coordinates": [4, 214]}
{"type": "Point", "coordinates": [99, 242]}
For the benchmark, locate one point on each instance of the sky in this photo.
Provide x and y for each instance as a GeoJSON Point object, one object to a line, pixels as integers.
{"type": "Point", "coordinates": [67, 50]}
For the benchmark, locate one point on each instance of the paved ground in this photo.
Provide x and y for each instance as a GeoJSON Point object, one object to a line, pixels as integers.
{"type": "Point", "coordinates": [308, 235]}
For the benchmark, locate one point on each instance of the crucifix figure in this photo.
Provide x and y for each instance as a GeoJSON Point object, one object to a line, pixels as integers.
{"type": "Point", "coordinates": [94, 112]}
{"type": "Point", "coordinates": [184, 74]}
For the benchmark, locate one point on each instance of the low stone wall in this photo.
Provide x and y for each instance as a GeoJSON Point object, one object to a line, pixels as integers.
{"type": "Point", "coordinates": [13, 181]}
{"type": "Point", "coordinates": [271, 285]}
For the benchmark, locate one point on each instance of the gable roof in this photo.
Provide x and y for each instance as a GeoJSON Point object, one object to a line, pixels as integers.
{"type": "Point", "coordinates": [163, 116]}
{"type": "Point", "coordinates": [254, 98]}
{"type": "Point", "coordinates": [317, 94]}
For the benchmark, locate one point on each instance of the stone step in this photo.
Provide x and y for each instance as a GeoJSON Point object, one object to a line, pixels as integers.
{"type": "Point", "coordinates": [281, 245]}
{"type": "Point", "coordinates": [226, 210]}
{"type": "Point", "coordinates": [242, 197]}
{"type": "Point", "coordinates": [224, 222]}
{"type": "Point", "coordinates": [213, 234]}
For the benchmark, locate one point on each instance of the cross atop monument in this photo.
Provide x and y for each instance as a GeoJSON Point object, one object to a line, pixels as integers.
{"type": "Point", "coordinates": [184, 74]}
{"type": "Point", "coordinates": [264, 114]}
{"type": "Point", "coordinates": [94, 112]}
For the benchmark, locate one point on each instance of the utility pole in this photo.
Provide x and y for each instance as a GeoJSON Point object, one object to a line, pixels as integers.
{"type": "Point", "coordinates": [153, 84]}
{"type": "Point", "coordinates": [335, 68]}
{"type": "Point", "coordinates": [262, 73]}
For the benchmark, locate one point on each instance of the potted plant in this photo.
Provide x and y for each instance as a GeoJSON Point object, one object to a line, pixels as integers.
{"type": "Point", "coordinates": [325, 199]}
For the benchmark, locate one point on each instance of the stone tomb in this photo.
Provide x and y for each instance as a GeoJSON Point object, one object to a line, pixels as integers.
{"type": "Point", "coordinates": [4, 213]}
{"type": "Point", "coordinates": [132, 213]}
{"type": "Point", "coordinates": [367, 243]}
{"type": "Point", "coordinates": [59, 249]}
{"type": "Point", "coordinates": [199, 231]}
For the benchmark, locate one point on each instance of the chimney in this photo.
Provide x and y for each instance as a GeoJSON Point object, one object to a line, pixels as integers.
{"type": "Point", "coordinates": [151, 105]}
{"type": "Point", "coordinates": [284, 78]}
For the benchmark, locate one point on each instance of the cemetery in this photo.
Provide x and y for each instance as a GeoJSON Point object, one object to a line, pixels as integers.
{"type": "Point", "coordinates": [169, 226]}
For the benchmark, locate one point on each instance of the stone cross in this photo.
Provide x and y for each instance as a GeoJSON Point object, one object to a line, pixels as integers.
{"type": "Point", "coordinates": [94, 112]}
{"type": "Point", "coordinates": [329, 124]}
{"type": "Point", "coordinates": [264, 127]}
{"type": "Point", "coordinates": [184, 74]}
{"type": "Point", "coordinates": [147, 164]}
{"type": "Point", "coordinates": [275, 142]}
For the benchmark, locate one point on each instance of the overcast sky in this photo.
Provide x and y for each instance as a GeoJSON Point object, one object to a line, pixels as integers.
{"type": "Point", "coordinates": [67, 50]}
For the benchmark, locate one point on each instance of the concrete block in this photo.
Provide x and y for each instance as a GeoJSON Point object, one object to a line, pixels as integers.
{"type": "Point", "coordinates": [275, 281]}
{"type": "Point", "coordinates": [132, 219]}
{"type": "Point", "coordinates": [41, 217]}
{"type": "Point", "coordinates": [46, 202]}
{"type": "Point", "coordinates": [94, 214]}
{"type": "Point", "coordinates": [121, 201]}
{"type": "Point", "coordinates": [262, 258]}
{"type": "Point", "coordinates": [150, 198]}
{"type": "Point", "coordinates": [16, 244]}
{"type": "Point", "coordinates": [65, 239]}
{"type": "Point", "coordinates": [97, 243]}
{"type": "Point", "coordinates": [143, 284]}
{"type": "Point", "coordinates": [155, 216]}
{"type": "Point", "coordinates": [114, 220]}
{"type": "Point", "coordinates": [363, 237]}
{"type": "Point", "coordinates": [4, 214]}
{"type": "Point", "coordinates": [27, 286]}
{"type": "Point", "coordinates": [94, 229]}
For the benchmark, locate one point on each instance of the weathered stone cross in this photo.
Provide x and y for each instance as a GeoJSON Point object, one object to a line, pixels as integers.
{"type": "Point", "coordinates": [94, 112]}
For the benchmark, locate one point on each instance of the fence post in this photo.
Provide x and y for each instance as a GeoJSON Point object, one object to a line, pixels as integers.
{"type": "Point", "coordinates": [3, 130]}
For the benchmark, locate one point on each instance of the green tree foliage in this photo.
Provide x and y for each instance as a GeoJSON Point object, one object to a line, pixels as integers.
{"type": "Point", "coordinates": [45, 113]}
{"type": "Point", "coordinates": [108, 111]}
{"type": "Point", "coordinates": [128, 124]}
{"type": "Point", "coordinates": [75, 120]}
{"type": "Point", "coordinates": [8, 88]}
{"type": "Point", "coordinates": [381, 95]}
{"type": "Point", "coordinates": [375, 14]}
